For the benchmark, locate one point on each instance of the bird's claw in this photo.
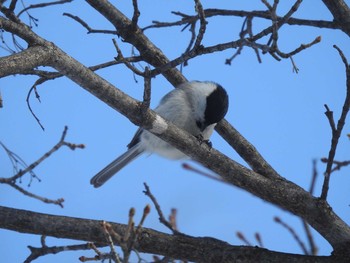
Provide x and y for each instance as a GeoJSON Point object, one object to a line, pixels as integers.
{"type": "Point", "coordinates": [201, 140]}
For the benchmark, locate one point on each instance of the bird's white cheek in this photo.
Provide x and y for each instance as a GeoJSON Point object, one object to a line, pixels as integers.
{"type": "Point", "coordinates": [208, 131]}
{"type": "Point", "coordinates": [159, 125]}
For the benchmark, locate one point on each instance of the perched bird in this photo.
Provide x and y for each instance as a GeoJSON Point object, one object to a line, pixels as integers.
{"type": "Point", "coordinates": [195, 107]}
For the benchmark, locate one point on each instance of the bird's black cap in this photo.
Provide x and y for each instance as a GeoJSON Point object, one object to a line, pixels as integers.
{"type": "Point", "coordinates": [217, 105]}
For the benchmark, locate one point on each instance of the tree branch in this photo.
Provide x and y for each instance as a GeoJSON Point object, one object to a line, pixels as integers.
{"type": "Point", "coordinates": [24, 61]}
{"type": "Point", "coordinates": [134, 35]}
{"type": "Point", "coordinates": [211, 12]}
{"type": "Point", "coordinates": [198, 249]}
{"type": "Point", "coordinates": [341, 14]}
{"type": "Point", "coordinates": [336, 130]}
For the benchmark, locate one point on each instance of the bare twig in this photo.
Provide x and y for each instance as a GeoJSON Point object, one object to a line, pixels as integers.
{"type": "Point", "coordinates": [247, 29]}
{"type": "Point", "coordinates": [159, 210]}
{"type": "Point", "coordinates": [125, 241]}
{"type": "Point", "coordinates": [88, 28]}
{"type": "Point", "coordinates": [11, 181]}
{"type": "Point", "coordinates": [121, 59]}
{"type": "Point", "coordinates": [330, 118]}
{"type": "Point", "coordinates": [58, 201]}
{"type": "Point", "coordinates": [18, 163]}
{"type": "Point", "coordinates": [312, 246]}
{"type": "Point", "coordinates": [37, 252]}
{"type": "Point", "coordinates": [293, 233]}
{"type": "Point", "coordinates": [299, 49]}
{"type": "Point", "coordinates": [274, 35]}
{"type": "Point", "coordinates": [37, 82]}
{"type": "Point", "coordinates": [187, 19]}
{"type": "Point", "coordinates": [259, 240]}
{"type": "Point", "coordinates": [191, 168]}
{"type": "Point", "coordinates": [41, 5]}
{"type": "Point", "coordinates": [61, 143]}
{"type": "Point", "coordinates": [203, 23]}
{"type": "Point", "coordinates": [1, 101]}
{"type": "Point", "coordinates": [337, 164]}
{"type": "Point", "coordinates": [172, 218]}
{"type": "Point", "coordinates": [107, 230]}
{"type": "Point", "coordinates": [136, 14]}
{"type": "Point", "coordinates": [336, 130]}
{"type": "Point", "coordinates": [295, 68]}
{"type": "Point", "coordinates": [242, 237]}
{"type": "Point", "coordinates": [46, 76]}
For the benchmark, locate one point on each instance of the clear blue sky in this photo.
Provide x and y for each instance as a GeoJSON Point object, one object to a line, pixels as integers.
{"type": "Point", "coordinates": [280, 112]}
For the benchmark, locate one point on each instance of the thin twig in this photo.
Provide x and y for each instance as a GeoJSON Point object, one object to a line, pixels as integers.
{"type": "Point", "coordinates": [11, 181]}
{"type": "Point", "coordinates": [61, 143]}
{"type": "Point", "coordinates": [37, 252]}
{"type": "Point", "coordinates": [88, 28]}
{"type": "Point", "coordinates": [107, 233]}
{"type": "Point", "coordinates": [37, 82]}
{"type": "Point", "coordinates": [159, 210]}
{"type": "Point", "coordinates": [259, 240]}
{"type": "Point", "coordinates": [43, 5]}
{"type": "Point", "coordinates": [274, 35]}
{"type": "Point", "coordinates": [299, 49]}
{"type": "Point", "coordinates": [58, 201]}
{"type": "Point", "coordinates": [312, 245]}
{"type": "Point", "coordinates": [336, 131]}
{"type": "Point", "coordinates": [211, 12]}
{"type": "Point", "coordinates": [203, 24]}
{"type": "Point", "coordinates": [242, 237]}
{"type": "Point", "coordinates": [293, 233]}
{"type": "Point", "coordinates": [46, 76]}
{"type": "Point", "coordinates": [337, 164]}
{"type": "Point", "coordinates": [173, 218]}
{"type": "Point", "coordinates": [121, 59]}
{"type": "Point", "coordinates": [213, 177]}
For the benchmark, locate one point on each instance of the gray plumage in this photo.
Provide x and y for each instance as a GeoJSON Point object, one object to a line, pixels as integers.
{"type": "Point", "coordinates": [194, 106]}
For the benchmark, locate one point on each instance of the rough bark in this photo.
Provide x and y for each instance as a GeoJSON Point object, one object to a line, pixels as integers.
{"type": "Point", "coordinates": [198, 249]}
{"type": "Point", "coordinates": [341, 13]}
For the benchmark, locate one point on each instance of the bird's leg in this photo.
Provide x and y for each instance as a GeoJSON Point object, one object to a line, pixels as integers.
{"type": "Point", "coordinates": [201, 140]}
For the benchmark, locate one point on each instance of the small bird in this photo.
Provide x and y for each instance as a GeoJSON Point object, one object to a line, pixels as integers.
{"type": "Point", "coordinates": [195, 107]}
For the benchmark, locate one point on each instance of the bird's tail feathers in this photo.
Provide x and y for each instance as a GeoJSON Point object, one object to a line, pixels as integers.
{"type": "Point", "coordinates": [111, 169]}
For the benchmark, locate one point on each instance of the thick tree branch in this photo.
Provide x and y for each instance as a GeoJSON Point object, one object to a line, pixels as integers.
{"type": "Point", "coordinates": [24, 61]}
{"type": "Point", "coordinates": [133, 35]}
{"type": "Point", "coordinates": [341, 14]}
{"type": "Point", "coordinates": [198, 249]}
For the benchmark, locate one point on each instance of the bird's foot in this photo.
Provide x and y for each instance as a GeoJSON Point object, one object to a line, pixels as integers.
{"type": "Point", "coordinates": [201, 140]}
